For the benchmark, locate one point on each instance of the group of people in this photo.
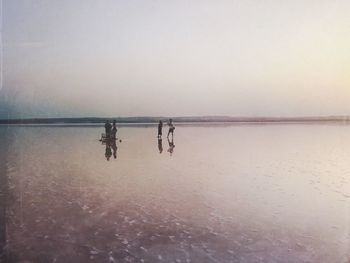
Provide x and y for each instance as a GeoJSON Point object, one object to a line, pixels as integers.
{"type": "Point", "coordinates": [170, 131]}
{"type": "Point", "coordinates": [110, 136]}
{"type": "Point", "coordinates": [111, 130]}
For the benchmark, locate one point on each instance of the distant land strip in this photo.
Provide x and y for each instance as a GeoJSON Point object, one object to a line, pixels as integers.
{"type": "Point", "coordinates": [194, 119]}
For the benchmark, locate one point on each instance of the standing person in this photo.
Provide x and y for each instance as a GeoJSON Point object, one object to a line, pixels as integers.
{"type": "Point", "coordinates": [108, 128]}
{"type": "Point", "coordinates": [114, 130]}
{"type": "Point", "coordinates": [160, 127]}
{"type": "Point", "coordinates": [171, 128]}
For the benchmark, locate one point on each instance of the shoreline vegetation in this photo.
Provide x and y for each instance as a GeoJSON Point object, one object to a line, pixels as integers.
{"type": "Point", "coordinates": [155, 120]}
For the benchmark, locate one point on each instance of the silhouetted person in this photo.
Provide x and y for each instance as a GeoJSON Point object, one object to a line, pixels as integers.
{"type": "Point", "coordinates": [114, 130]}
{"type": "Point", "coordinates": [160, 145]}
{"type": "Point", "coordinates": [160, 127]}
{"type": "Point", "coordinates": [171, 128]}
{"type": "Point", "coordinates": [108, 152]}
{"type": "Point", "coordinates": [171, 146]}
{"type": "Point", "coordinates": [108, 128]}
{"type": "Point", "coordinates": [114, 148]}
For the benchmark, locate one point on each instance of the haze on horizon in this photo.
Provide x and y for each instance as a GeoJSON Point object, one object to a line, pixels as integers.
{"type": "Point", "coordinates": [64, 58]}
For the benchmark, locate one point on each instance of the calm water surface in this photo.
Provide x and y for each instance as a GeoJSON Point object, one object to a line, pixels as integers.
{"type": "Point", "coordinates": [249, 193]}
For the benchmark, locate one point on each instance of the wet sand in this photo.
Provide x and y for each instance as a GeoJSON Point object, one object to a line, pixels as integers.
{"type": "Point", "coordinates": [241, 193]}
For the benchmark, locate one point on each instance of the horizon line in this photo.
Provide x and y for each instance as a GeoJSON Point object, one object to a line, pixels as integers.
{"type": "Point", "coordinates": [153, 119]}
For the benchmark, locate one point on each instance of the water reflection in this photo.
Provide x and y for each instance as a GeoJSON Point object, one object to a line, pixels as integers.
{"type": "Point", "coordinates": [111, 148]}
{"type": "Point", "coordinates": [287, 202]}
{"type": "Point", "coordinates": [108, 152]}
{"type": "Point", "coordinates": [160, 145]}
{"type": "Point", "coordinates": [171, 145]}
{"type": "Point", "coordinates": [114, 148]}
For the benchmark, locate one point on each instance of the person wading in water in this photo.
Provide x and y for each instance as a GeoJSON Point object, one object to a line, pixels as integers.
{"type": "Point", "coordinates": [114, 130]}
{"type": "Point", "coordinates": [108, 128]}
{"type": "Point", "coordinates": [160, 127]}
{"type": "Point", "coordinates": [171, 128]}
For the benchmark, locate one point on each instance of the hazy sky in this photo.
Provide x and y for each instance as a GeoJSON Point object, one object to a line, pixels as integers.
{"type": "Point", "coordinates": [166, 57]}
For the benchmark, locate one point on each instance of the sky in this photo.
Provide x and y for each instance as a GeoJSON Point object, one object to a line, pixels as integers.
{"type": "Point", "coordinates": [71, 58]}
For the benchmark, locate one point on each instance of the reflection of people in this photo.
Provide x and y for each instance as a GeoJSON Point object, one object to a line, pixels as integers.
{"type": "Point", "coordinates": [108, 152]}
{"type": "Point", "coordinates": [160, 145]}
{"type": "Point", "coordinates": [171, 128]}
{"type": "Point", "coordinates": [114, 148]}
{"type": "Point", "coordinates": [109, 139]}
{"type": "Point", "coordinates": [114, 130]}
{"type": "Point", "coordinates": [108, 128]}
{"type": "Point", "coordinates": [160, 127]}
{"type": "Point", "coordinates": [171, 146]}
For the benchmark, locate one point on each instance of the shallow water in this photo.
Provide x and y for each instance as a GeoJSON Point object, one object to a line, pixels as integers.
{"type": "Point", "coordinates": [241, 193]}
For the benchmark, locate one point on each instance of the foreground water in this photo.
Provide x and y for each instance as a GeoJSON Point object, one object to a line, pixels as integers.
{"type": "Point", "coordinates": [251, 193]}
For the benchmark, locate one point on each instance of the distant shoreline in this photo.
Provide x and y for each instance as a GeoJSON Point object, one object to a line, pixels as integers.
{"type": "Point", "coordinates": [185, 120]}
